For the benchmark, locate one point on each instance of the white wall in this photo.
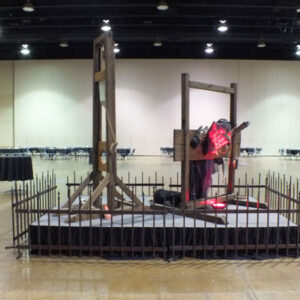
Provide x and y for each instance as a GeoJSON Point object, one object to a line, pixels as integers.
{"type": "Point", "coordinates": [269, 96]}
{"type": "Point", "coordinates": [53, 101]}
{"type": "Point", "coordinates": [149, 99]}
{"type": "Point", "coordinates": [148, 95]}
{"type": "Point", "coordinates": [6, 104]}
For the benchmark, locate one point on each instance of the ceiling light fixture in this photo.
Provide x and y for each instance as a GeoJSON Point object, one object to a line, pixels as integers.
{"type": "Point", "coordinates": [28, 7]}
{"type": "Point", "coordinates": [105, 26]}
{"type": "Point", "coordinates": [162, 5]}
{"type": "Point", "coordinates": [298, 9]}
{"type": "Point", "coordinates": [223, 26]}
{"type": "Point", "coordinates": [261, 44]}
{"type": "Point", "coordinates": [116, 48]}
{"type": "Point", "coordinates": [25, 50]}
{"type": "Point", "coordinates": [209, 48]}
{"type": "Point", "coordinates": [157, 43]}
{"type": "Point", "coordinates": [298, 50]}
{"type": "Point", "coordinates": [63, 44]}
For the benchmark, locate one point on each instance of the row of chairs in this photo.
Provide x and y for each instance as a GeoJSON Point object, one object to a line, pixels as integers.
{"type": "Point", "coordinates": [251, 150]}
{"type": "Point", "coordinates": [289, 152]}
{"type": "Point", "coordinates": [52, 152]}
{"type": "Point", "coordinates": [167, 151]}
{"type": "Point", "coordinates": [49, 152]}
{"type": "Point", "coordinates": [248, 150]}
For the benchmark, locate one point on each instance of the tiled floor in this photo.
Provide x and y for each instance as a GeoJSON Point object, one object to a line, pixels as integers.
{"type": "Point", "coordinates": [84, 278]}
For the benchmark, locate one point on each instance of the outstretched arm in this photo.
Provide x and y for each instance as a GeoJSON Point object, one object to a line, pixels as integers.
{"type": "Point", "coordinates": [239, 128]}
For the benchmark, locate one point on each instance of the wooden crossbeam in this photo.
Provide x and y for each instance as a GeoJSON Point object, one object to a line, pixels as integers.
{"type": "Point", "coordinates": [99, 76]}
{"type": "Point", "coordinates": [211, 87]}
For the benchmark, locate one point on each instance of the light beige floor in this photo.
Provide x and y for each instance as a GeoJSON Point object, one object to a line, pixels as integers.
{"type": "Point", "coordinates": [84, 278]}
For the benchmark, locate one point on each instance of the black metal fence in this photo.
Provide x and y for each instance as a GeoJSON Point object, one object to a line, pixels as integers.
{"type": "Point", "coordinates": [261, 220]}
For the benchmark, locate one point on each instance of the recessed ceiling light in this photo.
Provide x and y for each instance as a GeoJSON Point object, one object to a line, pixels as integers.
{"type": "Point", "coordinates": [209, 48]}
{"type": "Point", "coordinates": [157, 43]}
{"type": "Point", "coordinates": [25, 50]}
{"type": "Point", "coordinates": [105, 26]}
{"type": "Point", "coordinates": [116, 48]}
{"type": "Point", "coordinates": [28, 7]}
{"type": "Point", "coordinates": [261, 45]}
{"type": "Point", "coordinates": [63, 44]}
{"type": "Point", "coordinates": [162, 5]}
{"type": "Point", "coordinates": [223, 26]}
{"type": "Point", "coordinates": [298, 10]}
{"type": "Point", "coordinates": [297, 50]}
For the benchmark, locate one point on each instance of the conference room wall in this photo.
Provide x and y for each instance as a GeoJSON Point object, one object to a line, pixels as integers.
{"type": "Point", "coordinates": [53, 101]}
{"type": "Point", "coordinates": [148, 99]}
{"type": "Point", "coordinates": [6, 103]}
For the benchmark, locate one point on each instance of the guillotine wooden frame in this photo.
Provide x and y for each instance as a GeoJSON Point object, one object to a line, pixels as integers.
{"type": "Point", "coordinates": [104, 112]}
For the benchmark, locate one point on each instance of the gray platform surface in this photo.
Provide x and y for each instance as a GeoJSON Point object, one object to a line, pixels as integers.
{"type": "Point", "coordinates": [261, 219]}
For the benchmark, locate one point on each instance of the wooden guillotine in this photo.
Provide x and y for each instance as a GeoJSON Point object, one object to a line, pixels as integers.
{"type": "Point", "coordinates": [104, 141]}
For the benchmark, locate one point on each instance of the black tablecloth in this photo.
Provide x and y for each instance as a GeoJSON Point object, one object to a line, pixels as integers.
{"type": "Point", "coordinates": [15, 168]}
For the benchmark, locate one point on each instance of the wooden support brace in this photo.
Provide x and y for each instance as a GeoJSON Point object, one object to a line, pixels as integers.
{"type": "Point", "coordinates": [211, 87]}
{"type": "Point", "coordinates": [77, 192]}
{"type": "Point", "coordinates": [191, 213]}
{"type": "Point", "coordinates": [242, 202]}
{"type": "Point", "coordinates": [127, 191]}
{"type": "Point", "coordinates": [89, 203]}
{"type": "Point", "coordinates": [219, 199]}
{"type": "Point", "coordinates": [96, 193]}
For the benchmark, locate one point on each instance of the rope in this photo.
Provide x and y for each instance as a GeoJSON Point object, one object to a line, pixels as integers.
{"type": "Point", "coordinates": [113, 147]}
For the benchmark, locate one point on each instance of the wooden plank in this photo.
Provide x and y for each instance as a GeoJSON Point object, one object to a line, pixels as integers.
{"type": "Point", "coordinates": [234, 140]}
{"type": "Point", "coordinates": [96, 115]}
{"type": "Point", "coordinates": [211, 87]}
{"type": "Point", "coordinates": [101, 149]}
{"type": "Point", "coordinates": [185, 126]}
{"type": "Point", "coordinates": [219, 199]}
{"type": "Point", "coordinates": [99, 76]}
{"type": "Point", "coordinates": [99, 40]}
{"type": "Point", "coordinates": [77, 192]}
{"type": "Point", "coordinates": [191, 213]}
{"type": "Point", "coordinates": [242, 202]}
{"type": "Point", "coordinates": [129, 193]}
{"type": "Point", "coordinates": [96, 193]}
{"type": "Point", "coordinates": [197, 153]}
{"type": "Point", "coordinates": [111, 158]}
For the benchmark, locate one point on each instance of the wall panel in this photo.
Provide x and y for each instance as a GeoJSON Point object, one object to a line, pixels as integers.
{"type": "Point", "coordinates": [6, 104]}
{"type": "Point", "coordinates": [53, 102]}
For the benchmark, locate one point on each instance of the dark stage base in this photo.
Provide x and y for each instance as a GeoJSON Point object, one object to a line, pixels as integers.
{"type": "Point", "coordinates": [164, 242]}
{"type": "Point", "coordinates": [167, 236]}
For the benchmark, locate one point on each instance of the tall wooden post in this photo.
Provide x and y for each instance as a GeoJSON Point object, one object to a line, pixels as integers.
{"type": "Point", "coordinates": [185, 126]}
{"type": "Point", "coordinates": [96, 116]}
{"type": "Point", "coordinates": [110, 118]}
{"type": "Point", "coordinates": [233, 121]}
